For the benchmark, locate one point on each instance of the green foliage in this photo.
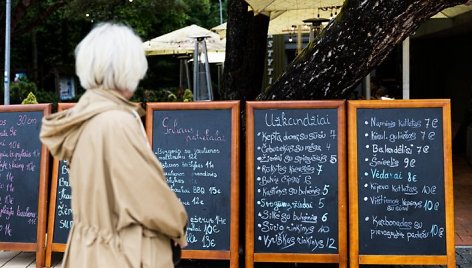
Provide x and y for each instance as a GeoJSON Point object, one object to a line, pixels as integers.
{"type": "Point", "coordinates": [24, 90]}
{"type": "Point", "coordinates": [47, 97]}
{"type": "Point", "coordinates": [150, 18]}
{"type": "Point", "coordinates": [20, 89]}
{"type": "Point", "coordinates": [147, 17]}
{"type": "Point", "coordinates": [188, 96]}
{"type": "Point", "coordinates": [30, 99]}
{"type": "Point", "coordinates": [46, 34]}
{"type": "Point", "coordinates": [202, 10]}
{"type": "Point", "coordinates": [162, 95]}
{"type": "Point", "coordinates": [205, 13]}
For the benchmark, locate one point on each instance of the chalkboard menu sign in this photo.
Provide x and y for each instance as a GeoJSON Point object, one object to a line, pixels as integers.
{"type": "Point", "coordinates": [23, 173]}
{"type": "Point", "coordinates": [197, 145]}
{"type": "Point", "coordinates": [60, 210]}
{"type": "Point", "coordinates": [296, 188]}
{"type": "Point", "coordinates": [400, 158]}
{"type": "Point", "coordinates": [63, 220]}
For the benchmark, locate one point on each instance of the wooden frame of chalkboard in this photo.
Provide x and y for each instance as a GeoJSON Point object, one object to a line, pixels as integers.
{"type": "Point", "coordinates": [37, 218]}
{"type": "Point", "coordinates": [226, 115]}
{"type": "Point", "coordinates": [311, 248]}
{"type": "Point", "coordinates": [385, 137]}
{"type": "Point", "coordinates": [51, 244]}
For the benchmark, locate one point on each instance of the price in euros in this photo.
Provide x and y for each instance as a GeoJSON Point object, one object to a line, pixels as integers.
{"type": "Point", "coordinates": [422, 149]}
{"type": "Point", "coordinates": [428, 135]}
{"type": "Point", "coordinates": [197, 201]}
{"type": "Point", "coordinates": [208, 242]}
{"type": "Point", "coordinates": [14, 145]}
{"type": "Point", "coordinates": [12, 131]}
{"type": "Point", "coordinates": [409, 163]}
{"type": "Point", "coordinates": [431, 206]}
{"type": "Point", "coordinates": [431, 122]}
{"type": "Point", "coordinates": [412, 177]}
{"type": "Point", "coordinates": [213, 190]}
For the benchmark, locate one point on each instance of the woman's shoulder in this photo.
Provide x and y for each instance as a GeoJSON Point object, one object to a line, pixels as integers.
{"type": "Point", "coordinates": [116, 115]}
{"type": "Point", "coordinates": [115, 120]}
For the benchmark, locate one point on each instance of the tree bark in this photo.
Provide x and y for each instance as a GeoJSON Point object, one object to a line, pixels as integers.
{"type": "Point", "coordinates": [246, 37]}
{"type": "Point", "coordinates": [354, 43]}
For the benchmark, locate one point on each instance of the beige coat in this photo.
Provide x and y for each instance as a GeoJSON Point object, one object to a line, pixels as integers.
{"type": "Point", "coordinates": [123, 210]}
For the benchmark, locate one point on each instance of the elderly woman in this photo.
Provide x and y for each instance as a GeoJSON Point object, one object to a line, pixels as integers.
{"type": "Point", "coordinates": [125, 214]}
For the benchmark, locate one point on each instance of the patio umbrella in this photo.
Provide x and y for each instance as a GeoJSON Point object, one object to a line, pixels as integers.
{"type": "Point", "coordinates": [284, 14]}
{"type": "Point", "coordinates": [453, 11]}
{"type": "Point", "coordinates": [220, 30]}
{"type": "Point", "coordinates": [195, 40]}
{"type": "Point", "coordinates": [287, 13]}
{"type": "Point", "coordinates": [182, 41]}
{"type": "Point", "coordinates": [266, 6]}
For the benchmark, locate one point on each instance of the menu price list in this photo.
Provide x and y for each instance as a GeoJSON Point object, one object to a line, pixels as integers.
{"type": "Point", "coordinates": [63, 219]}
{"type": "Point", "coordinates": [194, 148]}
{"type": "Point", "coordinates": [295, 187]}
{"type": "Point", "coordinates": [20, 153]}
{"type": "Point", "coordinates": [401, 181]}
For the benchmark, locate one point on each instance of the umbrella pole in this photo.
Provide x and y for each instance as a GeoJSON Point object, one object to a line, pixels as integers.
{"type": "Point", "coordinates": [181, 71]}
{"type": "Point", "coordinates": [187, 74]}
{"type": "Point", "coordinates": [184, 74]}
{"type": "Point", "coordinates": [195, 71]}
{"type": "Point", "coordinates": [202, 90]}
{"type": "Point", "coordinates": [207, 69]}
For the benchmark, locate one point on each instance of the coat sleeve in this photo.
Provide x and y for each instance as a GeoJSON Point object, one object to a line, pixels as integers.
{"type": "Point", "coordinates": [142, 193]}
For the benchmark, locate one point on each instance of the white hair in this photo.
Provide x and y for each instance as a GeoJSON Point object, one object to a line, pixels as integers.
{"type": "Point", "coordinates": [111, 56]}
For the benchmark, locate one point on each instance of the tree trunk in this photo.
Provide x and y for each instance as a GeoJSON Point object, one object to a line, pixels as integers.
{"type": "Point", "coordinates": [245, 52]}
{"type": "Point", "coordinates": [357, 41]}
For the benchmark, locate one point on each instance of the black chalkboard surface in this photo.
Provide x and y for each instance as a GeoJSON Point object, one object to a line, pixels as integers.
{"type": "Point", "coordinates": [63, 212]}
{"type": "Point", "coordinates": [23, 172]}
{"type": "Point", "coordinates": [20, 166]}
{"type": "Point", "coordinates": [196, 145]}
{"type": "Point", "coordinates": [295, 179]}
{"type": "Point", "coordinates": [401, 182]}
{"type": "Point", "coordinates": [296, 159]}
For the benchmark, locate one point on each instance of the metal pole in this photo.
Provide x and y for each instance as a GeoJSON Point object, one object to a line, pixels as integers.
{"type": "Point", "coordinates": [187, 74]}
{"type": "Point", "coordinates": [367, 87]}
{"type": "Point", "coordinates": [406, 68]}
{"type": "Point", "coordinates": [312, 33]}
{"type": "Point", "coordinates": [221, 13]}
{"type": "Point", "coordinates": [299, 39]}
{"type": "Point", "coordinates": [207, 70]}
{"type": "Point", "coordinates": [181, 71]}
{"type": "Point", "coordinates": [6, 75]}
{"type": "Point", "coordinates": [195, 71]}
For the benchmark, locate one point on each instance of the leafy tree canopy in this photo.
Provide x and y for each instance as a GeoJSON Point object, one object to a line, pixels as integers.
{"type": "Point", "coordinates": [44, 33]}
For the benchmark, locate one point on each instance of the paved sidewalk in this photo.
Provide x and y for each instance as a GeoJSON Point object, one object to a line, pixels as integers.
{"type": "Point", "coordinates": [464, 257]}
{"type": "Point", "coordinates": [463, 260]}
{"type": "Point", "coordinates": [17, 259]}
